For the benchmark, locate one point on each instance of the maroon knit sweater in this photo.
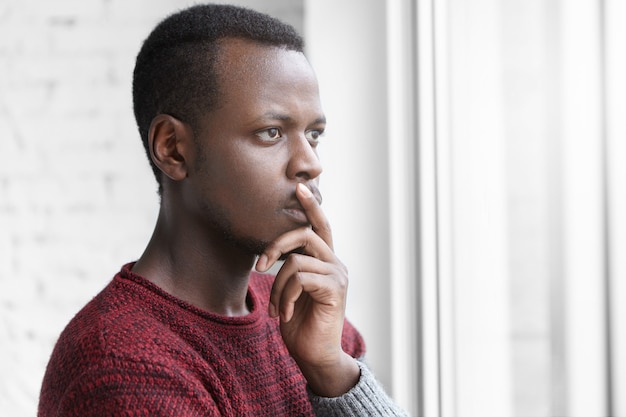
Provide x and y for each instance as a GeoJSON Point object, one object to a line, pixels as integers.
{"type": "Point", "coordinates": [135, 350]}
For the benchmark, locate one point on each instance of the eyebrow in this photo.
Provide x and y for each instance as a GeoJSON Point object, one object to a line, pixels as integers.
{"type": "Point", "coordinates": [286, 118]}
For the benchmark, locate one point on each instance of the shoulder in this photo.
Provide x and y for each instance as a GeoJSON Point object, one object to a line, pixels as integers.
{"type": "Point", "coordinates": [126, 321]}
{"type": "Point", "coordinates": [107, 325]}
{"type": "Point", "coordinates": [118, 341]}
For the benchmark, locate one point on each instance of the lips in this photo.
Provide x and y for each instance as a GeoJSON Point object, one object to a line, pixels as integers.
{"type": "Point", "coordinates": [316, 193]}
{"type": "Point", "coordinates": [295, 210]}
{"type": "Point", "coordinates": [297, 214]}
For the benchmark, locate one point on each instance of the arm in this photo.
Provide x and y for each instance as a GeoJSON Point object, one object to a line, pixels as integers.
{"type": "Point", "coordinates": [123, 387]}
{"type": "Point", "coordinates": [309, 295]}
{"type": "Point", "coordinates": [367, 398]}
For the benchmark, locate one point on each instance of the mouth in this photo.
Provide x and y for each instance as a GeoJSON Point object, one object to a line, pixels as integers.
{"type": "Point", "coordinates": [316, 193]}
{"type": "Point", "coordinates": [296, 212]}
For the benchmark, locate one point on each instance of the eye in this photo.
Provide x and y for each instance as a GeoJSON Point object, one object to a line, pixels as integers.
{"type": "Point", "coordinates": [271, 134]}
{"type": "Point", "coordinates": [313, 136]}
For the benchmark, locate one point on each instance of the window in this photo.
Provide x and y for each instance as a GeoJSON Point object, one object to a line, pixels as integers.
{"type": "Point", "coordinates": [500, 163]}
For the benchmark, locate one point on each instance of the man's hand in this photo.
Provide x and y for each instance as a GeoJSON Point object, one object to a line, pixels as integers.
{"type": "Point", "coordinates": [309, 294]}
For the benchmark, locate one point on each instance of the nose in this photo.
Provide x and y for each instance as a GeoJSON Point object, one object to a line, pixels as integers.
{"type": "Point", "coordinates": [304, 162]}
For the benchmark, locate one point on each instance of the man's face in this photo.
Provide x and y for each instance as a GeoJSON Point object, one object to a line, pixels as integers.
{"type": "Point", "coordinates": [253, 150]}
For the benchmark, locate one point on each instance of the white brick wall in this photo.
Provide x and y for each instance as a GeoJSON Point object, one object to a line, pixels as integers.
{"type": "Point", "coordinates": [77, 198]}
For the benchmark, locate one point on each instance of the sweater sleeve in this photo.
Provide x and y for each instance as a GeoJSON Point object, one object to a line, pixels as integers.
{"type": "Point", "coordinates": [366, 398]}
{"type": "Point", "coordinates": [134, 389]}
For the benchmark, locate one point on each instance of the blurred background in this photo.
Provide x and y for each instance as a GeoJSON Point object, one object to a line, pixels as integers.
{"type": "Point", "coordinates": [474, 177]}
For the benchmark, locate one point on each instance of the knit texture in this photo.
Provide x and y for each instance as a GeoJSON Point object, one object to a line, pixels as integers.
{"type": "Point", "coordinates": [135, 350]}
{"type": "Point", "coordinates": [367, 398]}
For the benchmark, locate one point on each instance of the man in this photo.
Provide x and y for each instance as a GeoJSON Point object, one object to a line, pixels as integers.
{"type": "Point", "coordinates": [229, 112]}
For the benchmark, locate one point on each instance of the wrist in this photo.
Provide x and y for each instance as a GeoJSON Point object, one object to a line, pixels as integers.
{"type": "Point", "coordinates": [333, 379]}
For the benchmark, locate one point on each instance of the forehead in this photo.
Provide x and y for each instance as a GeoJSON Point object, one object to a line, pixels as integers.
{"type": "Point", "coordinates": [250, 67]}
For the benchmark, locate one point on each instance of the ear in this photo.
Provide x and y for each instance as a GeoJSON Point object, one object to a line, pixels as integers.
{"type": "Point", "coordinates": [169, 141]}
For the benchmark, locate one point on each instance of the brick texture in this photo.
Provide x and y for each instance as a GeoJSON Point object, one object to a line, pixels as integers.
{"type": "Point", "coordinates": [77, 197]}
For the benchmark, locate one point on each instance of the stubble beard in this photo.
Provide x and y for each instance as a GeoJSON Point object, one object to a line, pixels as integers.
{"type": "Point", "coordinates": [220, 222]}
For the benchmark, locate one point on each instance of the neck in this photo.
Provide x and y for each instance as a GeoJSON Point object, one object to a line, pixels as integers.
{"type": "Point", "coordinates": [197, 266]}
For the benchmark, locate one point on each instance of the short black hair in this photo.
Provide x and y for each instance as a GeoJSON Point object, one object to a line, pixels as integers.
{"type": "Point", "coordinates": [175, 70]}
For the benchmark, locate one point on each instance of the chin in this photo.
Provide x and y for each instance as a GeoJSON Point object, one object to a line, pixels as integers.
{"type": "Point", "coordinates": [256, 245]}
{"type": "Point", "coordinates": [247, 244]}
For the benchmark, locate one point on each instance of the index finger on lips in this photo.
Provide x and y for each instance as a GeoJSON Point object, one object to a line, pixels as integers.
{"type": "Point", "coordinates": [314, 213]}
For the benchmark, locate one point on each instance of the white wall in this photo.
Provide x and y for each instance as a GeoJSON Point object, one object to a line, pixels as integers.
{"type": "Point", "coordinates": [76, 194]}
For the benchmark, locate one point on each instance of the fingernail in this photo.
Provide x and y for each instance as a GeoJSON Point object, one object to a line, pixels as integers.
{"type": "Point", "coordinates": [261, 263]}
{"type": "Point", "coordinates": [286, 316]}
{"type": "Point", "coordinates": [305, 190]}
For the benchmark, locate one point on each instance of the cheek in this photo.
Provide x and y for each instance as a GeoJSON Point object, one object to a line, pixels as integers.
{"type": "Point", "coordinates": [247, 175]}
{"type": "Point", "coordinates": [253, 185]}
{"type": "Point", "coordinates": [259, 167]}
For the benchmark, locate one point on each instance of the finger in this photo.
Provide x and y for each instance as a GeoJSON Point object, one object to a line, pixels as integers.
{"type": "Point", "coordinates": [292, 266]}
{"type": "Point", "coordinates": [314, 213]}
{"type": "Point", "coordinates": [304, 239]}
{"type": "Point", "coordinates": [317, 286]}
